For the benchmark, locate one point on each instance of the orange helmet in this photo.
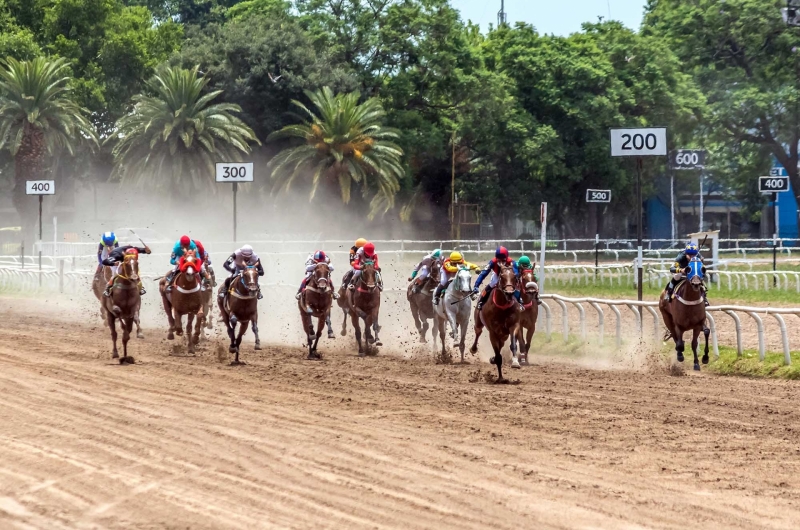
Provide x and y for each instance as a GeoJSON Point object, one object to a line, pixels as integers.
{"type": "Point", "coordinates": [360, 242]}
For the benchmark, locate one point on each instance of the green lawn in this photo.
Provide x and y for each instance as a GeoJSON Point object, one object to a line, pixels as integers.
{"type": "Point", "coordinates": [749, 365]}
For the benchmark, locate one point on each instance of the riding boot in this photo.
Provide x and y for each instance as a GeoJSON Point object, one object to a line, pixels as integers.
{"type": "Point", "coordinates": [705, 297]}
{"type": "Point", "coordinates": [224, 291]}
{"type": "Point", "coordinates": [484, 297]}
{"type": "Point", "coordinates": [142, 292]}
{"type": "Point", "coordinates": [670, 291]}
{"type": "Point", "coordinates": [518, 296]}
{"type": "Point", "coordinates": [169, 278]}
{"type": "Point", "coordinates": [259, 296]}
{"type": "Point", "coordinates": [538, 300]}
{"type": "Point", "coordinates": [437, 294]}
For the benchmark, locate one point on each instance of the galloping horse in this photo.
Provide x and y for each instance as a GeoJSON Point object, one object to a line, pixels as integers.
{"type": "Point", "coordinates": [123, 304]}
{"type": "Point", "coordinates": [208, 294]}
{"type": "Point", "coordinates": [316, 303]}
{"type": "Point", "coordinates": [686, 312]}
{"type": "Point", "coordinates": [365, 302]}
{"type": "Point", "coordinates": [240, 305]}
{"type": "Point", "coordinates": [501, 315]}
{"type": "Point", "coordinates": [421, 303]}
{"type": "Point", "coordinates": [99, 285]}
{"type": "Point", "coordinates": [186, 298]}
{"type": "Point", "coordinates": [527, 320]}
{"type": "Point", "coordinates": [455, 307]}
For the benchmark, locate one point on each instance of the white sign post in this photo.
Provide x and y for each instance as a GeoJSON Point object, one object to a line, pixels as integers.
{"type": "Point", "coordinates": [40, 188]}
{"type": "Point", "coordinates": [543, 219]}
{"type": "Point", "coordinates": [774, 184]}
{"type": "Point", "coordinates": [234, 173]}
{"type": "Point", "coordinates": [598, 195]}
{"type": "Point", "coordinates": [639, 142]}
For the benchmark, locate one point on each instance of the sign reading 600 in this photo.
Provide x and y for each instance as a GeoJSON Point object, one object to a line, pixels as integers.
{"type": "Point", "coordinates": [233, 172]}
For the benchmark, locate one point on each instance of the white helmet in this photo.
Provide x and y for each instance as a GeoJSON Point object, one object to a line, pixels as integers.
{"type": "Point", "coordinates": [246, 251]}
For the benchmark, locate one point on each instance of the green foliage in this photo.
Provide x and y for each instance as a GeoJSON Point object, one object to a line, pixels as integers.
{"type": "Point", "coordinates": [173, 138]}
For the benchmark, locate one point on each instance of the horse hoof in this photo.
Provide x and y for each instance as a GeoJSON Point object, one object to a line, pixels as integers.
{"type": "Point", "coordinates": [140, 335]}
{"type": "Point", "coordinates": [361, 353]}
{"type": "Point", "coordinates": [343, 333]}
{"type": "Point", "coordinates": [680, 357]}
{"type": "Point", "coordinates": [258, 347]}
{"type": "Point", "coordinates": [473, 349]}
{"type": "Point", "coordinates": [115, 355]}
{"type": "Point", "coordinates": [331, 335]}
{"type": "Point", "coordinates": [705, 359]}
{"type": "Point", "coordinates": [492, 361]}
{"type": "Point", "coordinates": [696, 367]}
{"type": "Point", "coordinates": [422, 340]}
{"type": "Point", "coordinates": [516, 365]}
{"type": "Point", "coordinates": [128, 360]}
{"type": "Point", "coordinates": [171, 336]}
{"type": "Point", "coordinates": [237, 363]}
{"type": "Point", "coordinates": [378, 343]}
{"type": "Point", "coordinates": [231, 349]}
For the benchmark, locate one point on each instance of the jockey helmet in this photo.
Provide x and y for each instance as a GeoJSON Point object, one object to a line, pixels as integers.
{"type": "Point", "coordinates": [437, 253]}
{"type": "Point", "coordinates": [691, 249]}
{"type": "Point", "coordinates": [131, 252]}
{"type": "Point", "coordinates": [319, 256]}
{"type": "Point", "coordinates": [360, 242]}
{"type": "Point", "coordinates": [456, 257]}
{"type": "Point", "coordinates": [369, 250]}
{"type": "Point", "coordinates": [185, 241]}
{"type": "Point", "coordinates": [246, 251]}
{"type": "Point", "coordinates": [109, 238]}
{"type": "Point", "coordinates": [524, 262]}
{"type": "Point", "coordinates": [501, 253]}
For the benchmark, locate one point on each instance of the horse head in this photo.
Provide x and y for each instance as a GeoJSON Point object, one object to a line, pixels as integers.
{"type": "Point", "coordinates": [463, 280]}
{"type": "Point", "coordinates": [694, 273]}
{"type": "Point", "coordinates": [320, 276]}
{"type": "Point", "coordinates": [250, 279]}
{"type": "Point", "coordinates": [528, 283]}
{"type": "Point", "coordinates": [507, 280]}
{"type": "Point", "coordinates": [130, 267]}
{"type": "Point", "coordinates": [369, 276]}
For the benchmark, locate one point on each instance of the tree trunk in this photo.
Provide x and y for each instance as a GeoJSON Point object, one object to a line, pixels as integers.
{"type": "Point", "coordinates": [28, 166]}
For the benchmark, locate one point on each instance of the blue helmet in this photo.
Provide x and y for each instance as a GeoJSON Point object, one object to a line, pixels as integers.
{"type": "Point", "coordinates": [109, 238]}
{"type": "Point", "coordinates": [501, 253]}
{"type": "Point", "coordinates": [691, 249]}
{"type": "Point", "coordinates": [320, 256]}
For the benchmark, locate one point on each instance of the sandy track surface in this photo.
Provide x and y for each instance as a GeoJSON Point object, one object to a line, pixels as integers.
{"type": "Point", "coordinates": [381, 442]}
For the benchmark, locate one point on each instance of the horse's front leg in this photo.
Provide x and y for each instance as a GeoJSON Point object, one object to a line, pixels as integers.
{"type": "Point", "coordinates": [442, 333]}
{"type": "Point", "coordinates": [139, 334]}
{"type": "Point", "coordinates": [368, 325]}
{"type": "Point", "coordinates": [189, 321]}
{"type": "Point", "coordinates": [357, 330]}
{"type": "Point", "coordinates": [254, 323]}
{"type": "Point", "coordinates": [320, 327]}
{"type": "Point", "coordinates": [462, 345]}
{"type": "Point", "coordinates": [478, 331]}
{"type": "Point", "coordinates": [331, 334]}
{"type": "Point", "coordinates": [170, 317]}
{"type": "Point", "coordinates": [112, 324]}
{"type": "Point", "coordinates": [344, 322]}
{"type": "Point", "coordinates": [528, 338]}
{"type": "Point", "coordinates": [497, 360]}
{"type": "Point", "coordinates": [377, 329]}
{"type": "Point", "coordinates": [514, 359]}
{"type": "Point", "coordinates": [126, 335]}
{"type": "Point", "coordinates": [677, 335]}
{"type": "Point", "coordinates": [200, 320]}
{"type": "Point", "coordinates": [695, 336]}
{"type": "Point", "coordinates": [706, 332]}
{"type": "Point", "coordinates": [243, 325]}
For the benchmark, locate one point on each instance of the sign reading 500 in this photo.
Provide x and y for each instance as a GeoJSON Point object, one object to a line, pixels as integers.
{"type": "Point", "coordinates": [231, 172]}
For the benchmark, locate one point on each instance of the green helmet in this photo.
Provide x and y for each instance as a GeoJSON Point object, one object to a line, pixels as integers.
{"type": "Point", "coordinates": [524, 262]}
{"type": "Point", "coordinates": [437, 253]}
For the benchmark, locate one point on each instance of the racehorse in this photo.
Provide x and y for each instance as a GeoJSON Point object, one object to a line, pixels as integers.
{"type": "Point", "coordinates": [240, 305]}
{"type": "Point", "coordinates": [686, 312]}
{"type": "Point", "coordinates": [455, 307]}
{"type": "Point", "coordinates": [364, 302]}
{"type": "Point", "coordinates": [123, 304]}
{"type": "Point", "coordinates": [527, 320]}
{"type": "Point", "coordinates": [316, 303]}
{"type": "Point", "coordinates": [500, 314]}
{"type": "Point", "coordinates": [208, 294]}
{"type": "Point", "coordinates": [99, 285]}
{"type": "Point", "coordinates": [421, 303]}
{"type": "Point", "coordinates": [186, 298]}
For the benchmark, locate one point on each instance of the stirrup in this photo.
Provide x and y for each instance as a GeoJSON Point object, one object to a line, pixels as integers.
{"type": "Point", "coordinates": [298, 295]}
{"type": "Point", "coordinates": [335, 295]}
{"type": "Point", "coordinates": [351, 287]}
{"type": "Point", "coordinates": [107, 292]}
{"type": "Point", "coordinates": [142, 292]}
{"type": "Point", "coordinates": [259, 296]}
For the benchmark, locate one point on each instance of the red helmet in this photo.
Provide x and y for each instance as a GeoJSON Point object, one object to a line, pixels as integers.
{"type": "Point", "coordinates": [132, 252]}
{"type": "Point", "coordinates": [369, 250]}
{"type": "Point", "coordinates": [320, 256]}
{"type": "Point", "coordinates": [185, 241]}
{"type": "Point", "coordinates": [501, 253]}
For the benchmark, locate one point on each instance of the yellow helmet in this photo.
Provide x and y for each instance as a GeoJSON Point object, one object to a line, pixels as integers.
{"type": "Point", "coordinates": [456, 257]}
{"type": "Point", "coordinates": [360, 242]}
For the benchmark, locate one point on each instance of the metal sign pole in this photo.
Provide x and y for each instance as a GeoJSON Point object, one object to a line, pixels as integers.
{"type": "Point", "coordinates": [40, 239]}
{"type": "Point", "coordinates": [235, 189]}
{"type": "Point", "coordinates": [639, 274]}
{"type": "Point", "coordinates": [672, 202]}
{"type": "Point", "coordinates": [701, 202]}
{"type": "Point", "coordinates": [775, 239]}
{"type": "Point", "coordinates": [543, 239]}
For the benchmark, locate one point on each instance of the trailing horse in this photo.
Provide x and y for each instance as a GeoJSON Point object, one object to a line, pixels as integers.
{"type": "Point", "coordinates": [208, 294]}
{"type": "Point", "coordinates": [501, 315]}
{"type": "Point", "coordinates": [240, 305]}
{"type": "Point", "coordinates": [186, 298]}
{"type": "Point", "coordinates": [529, 291]}
{"type": "Point", "coordinates": [99, 285]}
{"type": "Point", "coordinates": [316, 302]}
{"type": "Point", "coordinates": [421, 303]}
{"type": "Point", "coordinates": [686, 312]}
{"type": "Point", "coordinates": [454, 308]}
{"type": "Point", "coordinates": [364, 302]}
{"type": "Point", "coordinates": [123, 305]}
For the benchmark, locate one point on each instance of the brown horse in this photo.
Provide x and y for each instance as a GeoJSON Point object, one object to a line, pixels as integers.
{"type": "Point", "coordinates": [99, 285]}
{"type": "Point", "coordinates": [316, 303]}
{"type": "Point", "coordinates": [501, 315]}
{"type": "Point", "coordinates": [123, 304]}
{"type": "Point", "coordinates": [527, 320]}
{"type": "Point", "coordinates": [240, 305]}
{"type": "Point", "coordinates": [421, 303]}
{"type": "Point", "coordinates": [686, 311]}
{"type": "Point", "coordinates": [364, 302]}
{"type": "Point", "coordinates": [186, 298]}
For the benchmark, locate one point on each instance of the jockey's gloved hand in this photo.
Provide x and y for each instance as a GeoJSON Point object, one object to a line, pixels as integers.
{"type": "Point", "coordinates": [475, 291]}
{"type": "Point", "coordinates": [147, 250]}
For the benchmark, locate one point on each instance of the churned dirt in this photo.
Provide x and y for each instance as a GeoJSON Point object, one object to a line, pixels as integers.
{"type": "Point", "coordinates": [392, 441]}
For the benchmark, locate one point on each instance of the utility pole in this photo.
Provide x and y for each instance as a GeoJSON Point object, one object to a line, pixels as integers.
{"type": "Point", "coordinates": [501, 15]}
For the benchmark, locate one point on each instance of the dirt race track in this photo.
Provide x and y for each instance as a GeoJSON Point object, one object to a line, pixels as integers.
{"type": "Point", "coordinates": [381, 442]}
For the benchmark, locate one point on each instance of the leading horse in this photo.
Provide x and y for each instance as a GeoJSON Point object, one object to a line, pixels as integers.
{"type": "Point", "coordinates": [364, 302]}
{"type": "Point", "coordinates": [99, 285]}
{"type": "Point", "coordinates": [421, 303]}
{"type": "Point", "coordinates": [240, 305]}
{"type": "Point", "coordinates": [186, 298]}
{"type": "Point", "coordinates": [454, 308]}
{"type": "Point", "coordinates": [501, 314]}
{"type": "Point", "coordinates": [316, 302]}
{"type": "Point", "coordinates": [529, 291]}
{"type": "Point", "coordinates": [123, 305]}
{"type": "Point", "coordinates": [686, 311]}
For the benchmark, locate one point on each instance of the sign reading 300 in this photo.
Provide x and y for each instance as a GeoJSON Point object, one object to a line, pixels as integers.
{"type": "Point", "coordinates": [230, 172]}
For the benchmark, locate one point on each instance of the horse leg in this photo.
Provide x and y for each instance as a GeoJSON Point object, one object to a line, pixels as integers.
{"type": "Point", "coordinates": [139, 334]}
{"type": "Point", "coordinates": [127, 327]}
{"type": "Point", "coordinates": [112, 324]}
{"type": "Point", "coordinates": [706, 332]}
{"type": "Point", "coordinates": [357, 330]}
{"type": "Point", "coordinates": [679, 344]}
{"type": "Point", "coordinates": [497, 360]}
{"type": "Point", "coordinates": [442, 332]}
{"type": "Point", "coordinates": [189, 320]}
{"type": "Point", "coordinates": [170, 318]}
{"type": "Point", "coordinates": [243, 325]}
{"type": "Point", "coordinates": [254, 323]}
{"type": "Point", "coordinates": [331, 334]}
{"type": "Point", "coordinates": [377, 330]}
{"type": "Point", "coordinates": [308, 327]}
{"type": "Point", "coordinates": [320, 327]}
{"type": "Point", "coordinates": [695, 335]}
{"type": "Point", "coordinates": [462, 345]}
{"type": "Point", "coordinates": [478, 331]}
{"type": "Point", "coordinates": [200, 320]}
{"type": "Point", "coordinates": [231, 329]}
{"type": "Point", "coordinates": [344, 322]}
{"type": "Point", "coordinates": [514, 359]}
{"type": "Point", "coordinates": [528, 338]}
{"type": "Point", "coordinates": [210, 314]}
{"type": "Point", "coordinates": [177, 322]}
{"type": "Point", "coordinates": [424, 331]}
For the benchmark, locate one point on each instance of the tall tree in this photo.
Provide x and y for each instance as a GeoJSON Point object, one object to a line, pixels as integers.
{"type": "Point", "coordinates": [38, 118]}
{"type": "Point", "coordinates": [173, 138]}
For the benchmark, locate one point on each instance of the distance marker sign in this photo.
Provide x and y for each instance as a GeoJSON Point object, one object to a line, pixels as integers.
{"type": "Point", "coordinates": [598, 195]}
{"type": "Point", "coordinates": [773, 184]}
{"type": "Point", "coordinates": [229, 172]}
{"type": "Point", "coordinates": [649, 141]}
{"type": "Point", "coordinates": [40, 187]}
{"type": "Point", "coordinates": [687, 159]}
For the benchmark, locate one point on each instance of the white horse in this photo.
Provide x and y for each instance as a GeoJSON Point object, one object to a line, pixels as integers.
{"type": "Point", "coordinates": [455, 307]}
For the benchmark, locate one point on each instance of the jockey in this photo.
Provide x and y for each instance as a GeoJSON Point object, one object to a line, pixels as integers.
{"type": "Point", "coordinates": [500, 258]}
{"type": "Point", "coordinates": [681, 262]}
{"type": "Point", "coordinates": [524, 264]}
{"type": "Point", "coordinates": [108, 242]}
{"type": "Point", "coordinates": [365, 253]}
{"type": "Point", "coordinates": [449, 269]}
{"type": "Point", "coordinates": [117, 256]}
{"type": "Point", "coordinates": [311, 262]}
{"type": "Point", "coordinates": [423, 269]}
{"type": "Point", "coordinates": [237, 262]}
{"type": "Point", "coordinates": [360, 242]}
{"type": "Point", "coordinates": [183, 245]}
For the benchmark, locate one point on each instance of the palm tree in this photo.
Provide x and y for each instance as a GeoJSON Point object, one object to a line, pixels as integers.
{"type": "Point", "coordinates": [38, 118]}
{"type": "Point", "coordinates": [175, 137]}
{"type": "Point", "coordinates": [343, 142]}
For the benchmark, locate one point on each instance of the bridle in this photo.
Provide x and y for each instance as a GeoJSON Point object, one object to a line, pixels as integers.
{"type": "Point", "coordinates": [320, 283]}
{"type": "Point", "coordinates": [250, 286]}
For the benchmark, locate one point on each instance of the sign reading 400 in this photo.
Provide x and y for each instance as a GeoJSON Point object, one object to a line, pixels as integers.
{"type": "Point", "coordinates": [650, 141]}
{"type": "Point", "coordinates": [230, 172]}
